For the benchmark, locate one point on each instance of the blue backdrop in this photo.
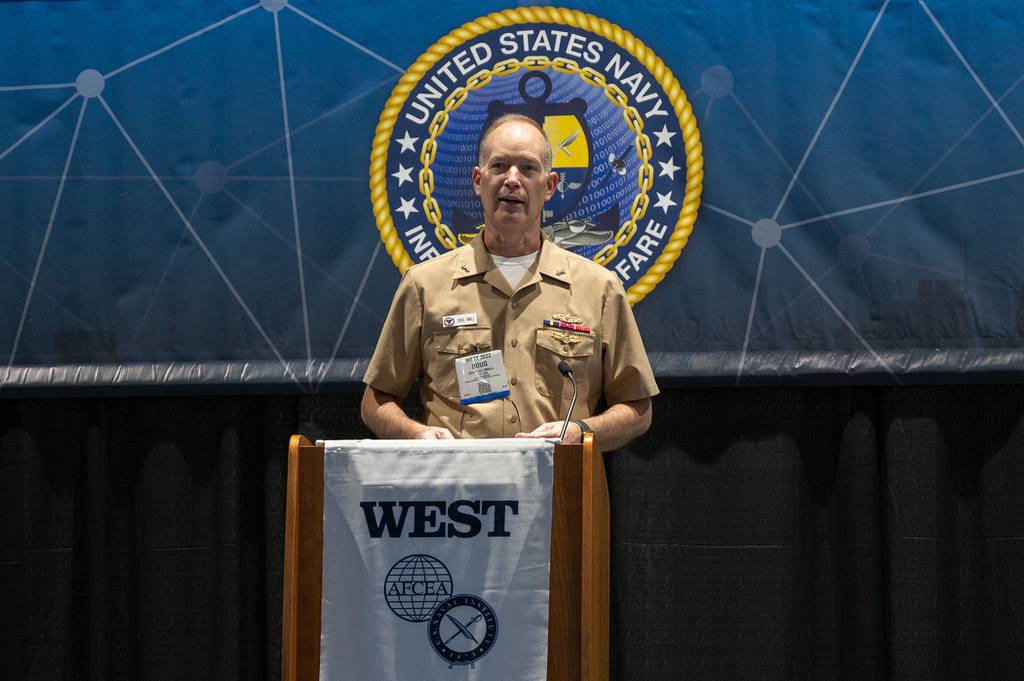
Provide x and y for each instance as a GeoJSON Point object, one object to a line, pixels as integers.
{"type": "Point", "coordinates": [860, 220]}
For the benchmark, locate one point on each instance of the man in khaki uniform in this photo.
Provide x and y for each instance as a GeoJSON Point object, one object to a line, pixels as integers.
{"type": "Point", "coordinates": [462, 303]}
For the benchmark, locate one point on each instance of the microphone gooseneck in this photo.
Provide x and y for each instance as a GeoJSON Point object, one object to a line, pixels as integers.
{"type": "Point", "coordinates": [566, 371]}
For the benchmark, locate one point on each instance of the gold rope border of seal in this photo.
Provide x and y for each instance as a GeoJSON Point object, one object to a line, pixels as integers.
{"type": "Point", "coordinates": [531, 15]}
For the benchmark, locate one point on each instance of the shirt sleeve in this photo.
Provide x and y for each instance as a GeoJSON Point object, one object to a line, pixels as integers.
{"type": "Point", "coordinates": [396, 361]}
{"type": "Point", "coordinates": [627, 371]}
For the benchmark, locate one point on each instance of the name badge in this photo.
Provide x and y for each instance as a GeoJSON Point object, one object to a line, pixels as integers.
{"type": "Point", "coordinates": [450, 320]}
{"type": "Point", "coordinates": [481, 377]}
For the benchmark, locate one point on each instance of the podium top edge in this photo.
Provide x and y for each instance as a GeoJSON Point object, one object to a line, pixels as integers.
{"type": "Point", "coordinates": [442, 445]}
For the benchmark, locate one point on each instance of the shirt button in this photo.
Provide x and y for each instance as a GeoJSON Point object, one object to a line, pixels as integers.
{"type": "Point", "coordinates": [514, 343]}
{"type": "Point", "coordinates": [515, 306]}
{"type": "Point", "coordinates": [513, 418]}
{"type": "Point", "coordinates": [513, 380]}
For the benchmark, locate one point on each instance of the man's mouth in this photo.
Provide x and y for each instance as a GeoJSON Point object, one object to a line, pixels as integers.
{"type": "Point", "coordinates": [510, 199]}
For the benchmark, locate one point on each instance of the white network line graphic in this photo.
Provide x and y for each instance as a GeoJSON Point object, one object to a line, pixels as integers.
{"type": "Point", "coordinates": [908, 197]}
{"type": "Point", "coordinates": [722, 211]}
{"type": "Point", "coordinates": [167, 268]}
{"type": "Point", "coordinates": [348, 317]}
{"type": "Point", "coordinates": [832, 306]}
{"type": "Point", "coordinates": [274, 6]}
{"type": "Point", "coordinates": [90, 84]}
{"type": "Point", "coordinates": [297, 178]}
{"type": "Point", "coordinates": [304, 126]}
{"type": "Point", "coordinates": [348, 40]}
{"type": "Point", "coordinates": [820, 279]}
{"type": "Point", "coordinates": [977, 80]}
{"type": "Point", "coordinates": [782, 159]}
{"type": "Point", "coordinates": [180, 41]}
{"type": "Point", "coordinates": [312, 263]}
{"type": "Point", "coordinates": [291, 186]}
{"type": "Point", "coordinates": [47, 86]}
{"type": "Point", "coordinates": [707, 110]}
{"type": "Point", "coordinates": [41, 291]}
{"type": "Point", "coordinates": [34, 129]}
{"type": "Point", "coordinates": [184, 178]}
{"type": "Point", "coordinates": [831, 108]}
{"type": "Point", "coordinates": [939, 270]}
{"type": "Point", "coordinates": [775, 230]}
{"type": "Point", "coordinates": [774, 233]}
{"type": "Point", "coordinates": [46, 236]}
{"type": "Point", "coordinates": [793, 300]}
{"type": "Point", "coordinates": [750, 316]}
{"type": "Point", "coordinates": [199, 242]}
{"type": "Point", "coordinates": [939, 161]}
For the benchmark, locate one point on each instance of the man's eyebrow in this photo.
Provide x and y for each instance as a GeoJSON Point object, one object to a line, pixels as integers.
{"type": "Point", "coordinates": [525, 156]}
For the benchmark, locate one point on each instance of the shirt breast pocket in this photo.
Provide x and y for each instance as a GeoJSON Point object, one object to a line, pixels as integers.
{"type": "Point", "coordinates": [553, 347]}
{"type": "Point", "coordinates": [443, 348]}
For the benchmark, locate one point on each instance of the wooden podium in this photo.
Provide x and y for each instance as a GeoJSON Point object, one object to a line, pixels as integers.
{"type": "Point", "coordinates": [578, 615]}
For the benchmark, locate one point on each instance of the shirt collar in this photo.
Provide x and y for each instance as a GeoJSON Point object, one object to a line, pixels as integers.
{"type": "Point", "coordinates": [553, 261]}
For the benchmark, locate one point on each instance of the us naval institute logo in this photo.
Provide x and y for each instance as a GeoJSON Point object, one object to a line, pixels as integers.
{"type": "Point", "coordinates": [624, 141]}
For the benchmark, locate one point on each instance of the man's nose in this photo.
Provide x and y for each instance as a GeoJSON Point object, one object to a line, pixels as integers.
{"type": "Point", "coordinates": [512, 177]}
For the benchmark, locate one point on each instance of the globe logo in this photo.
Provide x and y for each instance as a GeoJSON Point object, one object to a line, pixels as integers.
{"type": "Point", "coordinates": [415, 585]}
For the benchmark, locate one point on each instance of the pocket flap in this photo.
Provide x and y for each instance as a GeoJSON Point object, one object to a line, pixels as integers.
{"type": "Point", "coordinates": [462, 340]}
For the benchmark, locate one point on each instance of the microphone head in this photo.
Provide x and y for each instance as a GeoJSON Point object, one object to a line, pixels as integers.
{"type": "Point", "coordinates": [564, 367]}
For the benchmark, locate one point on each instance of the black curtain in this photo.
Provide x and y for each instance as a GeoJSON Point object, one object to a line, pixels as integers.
{"type": "Point", "coordinates": [768, 533]}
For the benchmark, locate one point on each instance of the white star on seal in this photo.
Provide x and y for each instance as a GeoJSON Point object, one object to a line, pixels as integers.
{"type": "Point", "coordinates": [664, 201]}
{"type": "Point", "coordinates": [669, 168]}
{"type": "Point", "coordinates": [408, 206]}
{"type": "Point", "coordinates": [405, 174]}
{"type": "Point", "coordinates": [664, 136]}
{"type": "Point", "coordinates": [408, 142]}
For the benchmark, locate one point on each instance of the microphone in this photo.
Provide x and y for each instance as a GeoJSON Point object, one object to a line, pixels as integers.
{"type": "Point", "coordinates": [566, 370]}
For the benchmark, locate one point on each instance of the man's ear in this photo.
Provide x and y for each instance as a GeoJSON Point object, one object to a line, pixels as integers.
{"type": "Point", "coordinates": [552, 183]}
{"type": "Point", "coordinates": [476, 180]}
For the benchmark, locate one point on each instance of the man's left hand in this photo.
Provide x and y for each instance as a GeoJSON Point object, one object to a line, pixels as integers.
{"type": "Point", "coordinates": [551, 429]}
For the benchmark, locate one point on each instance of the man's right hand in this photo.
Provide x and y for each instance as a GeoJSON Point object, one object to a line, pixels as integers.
{"type": "Point", "coordinates": [382, 413]}
{"type": "Point", "coordinates": [434, 433]}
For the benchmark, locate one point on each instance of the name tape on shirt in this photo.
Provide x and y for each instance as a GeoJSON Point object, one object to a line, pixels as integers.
{"type": "Point", "coordinates": [465, 319]}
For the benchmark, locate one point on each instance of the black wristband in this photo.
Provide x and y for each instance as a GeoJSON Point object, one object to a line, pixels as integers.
{"type": "Point", "coordinates": [584, 428]}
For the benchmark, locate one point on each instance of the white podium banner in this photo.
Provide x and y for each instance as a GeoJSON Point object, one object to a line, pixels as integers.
{"type": "Point", "coordinates": [436, 560]}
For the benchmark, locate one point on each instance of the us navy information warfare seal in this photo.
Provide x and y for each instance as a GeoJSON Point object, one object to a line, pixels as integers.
{"type": "Point", "coordinates": [624, 141]}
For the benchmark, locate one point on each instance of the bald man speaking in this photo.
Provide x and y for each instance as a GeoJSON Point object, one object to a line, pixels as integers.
{"type": "Point", "coordinates": [485, 327]}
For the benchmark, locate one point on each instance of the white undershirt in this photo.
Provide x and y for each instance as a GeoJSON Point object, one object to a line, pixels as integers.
{"type": "Point", "coordinates": [514, 269]}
